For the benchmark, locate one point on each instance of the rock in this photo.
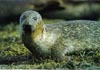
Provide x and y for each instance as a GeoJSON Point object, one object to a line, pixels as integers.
{"type": "Point", "coordinates": [60, 9]}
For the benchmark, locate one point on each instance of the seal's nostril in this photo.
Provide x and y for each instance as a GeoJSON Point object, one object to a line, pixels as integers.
{"type": "Point", "coordinates": [27, 28]}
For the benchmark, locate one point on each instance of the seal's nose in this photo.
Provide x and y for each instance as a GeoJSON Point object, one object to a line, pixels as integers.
{"type": "Point", "coordinates": [27, 28]}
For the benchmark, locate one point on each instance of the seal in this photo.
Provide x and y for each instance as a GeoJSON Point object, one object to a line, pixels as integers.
{"type": "Point", "coordinates": [55, 40]}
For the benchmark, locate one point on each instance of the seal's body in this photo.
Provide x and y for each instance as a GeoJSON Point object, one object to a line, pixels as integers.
{"type": "Point", "coordinates": [55, 40]}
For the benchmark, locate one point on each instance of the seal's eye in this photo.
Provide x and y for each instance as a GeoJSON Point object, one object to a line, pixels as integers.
{"type": "Point", "coordinates": [23, 18]}
{"type": "Point", "coordinates": [35, 18]}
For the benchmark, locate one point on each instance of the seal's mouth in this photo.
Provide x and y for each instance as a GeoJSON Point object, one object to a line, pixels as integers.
{"type": "Point", "coordinates": [27, 28]}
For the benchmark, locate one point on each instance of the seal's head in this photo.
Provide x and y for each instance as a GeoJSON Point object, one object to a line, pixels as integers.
{"type": "Point", "coordinates": [29, 21]}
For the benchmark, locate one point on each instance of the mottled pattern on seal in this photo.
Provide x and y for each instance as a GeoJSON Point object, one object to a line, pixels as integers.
{"type": "Point", "coordinates": [55, 40]}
